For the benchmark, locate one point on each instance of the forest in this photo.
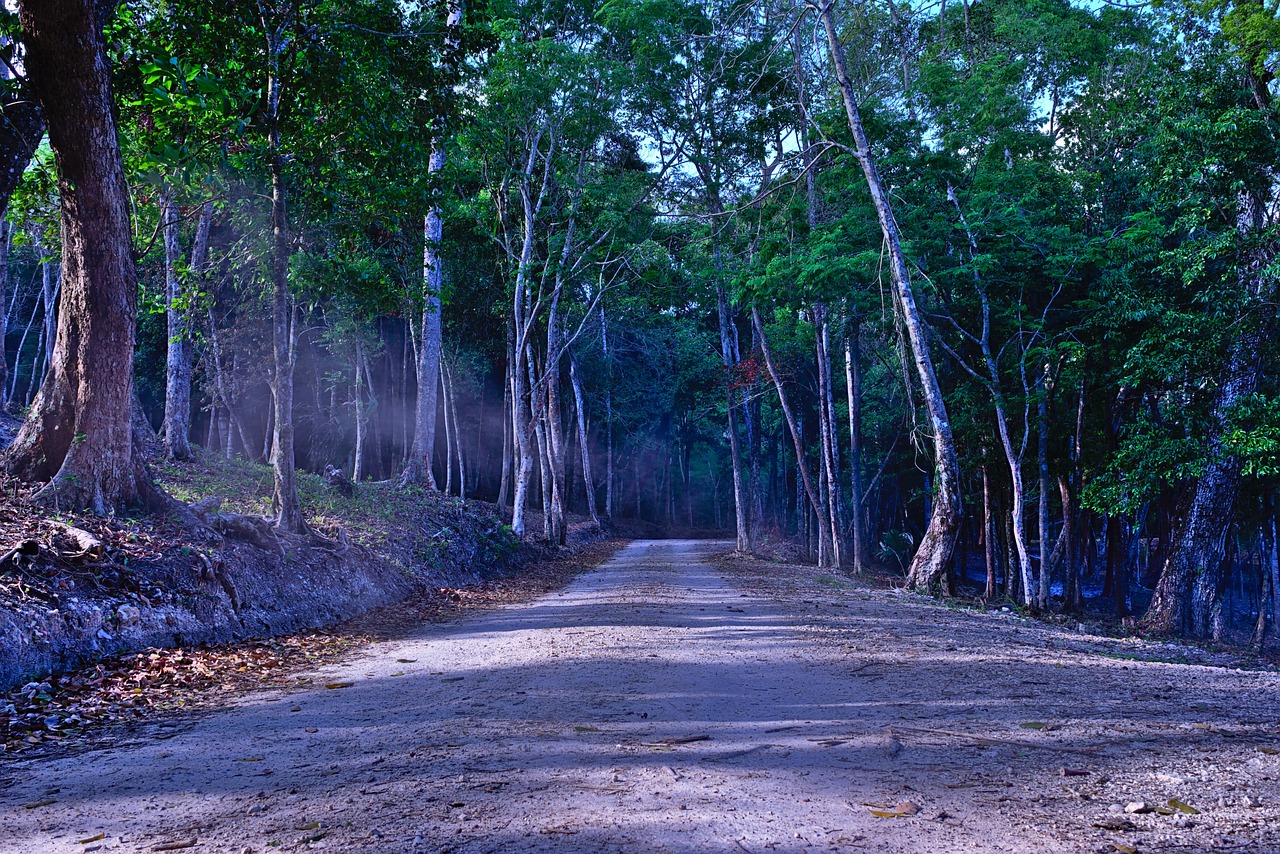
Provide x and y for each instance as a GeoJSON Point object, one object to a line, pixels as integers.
{"type": "Point", "coordinates": [979, 294]}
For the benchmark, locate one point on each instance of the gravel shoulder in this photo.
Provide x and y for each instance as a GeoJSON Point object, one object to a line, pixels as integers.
{"type": "Point", "coordinates": [671, 701]}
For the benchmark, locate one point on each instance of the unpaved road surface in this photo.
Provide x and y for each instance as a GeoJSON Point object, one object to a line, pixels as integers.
{"type": "Point", "coordinates": [666, 703]}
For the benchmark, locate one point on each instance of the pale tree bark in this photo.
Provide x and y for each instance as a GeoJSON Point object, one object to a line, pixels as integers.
{"type": "Point", "coordinates": [580, 405]}
{"type": "Point", "coordinates": [418, 465]}
{"type": "Point", "coordinates": [457, 433]}
{"type": "Point", "coordinates": [938, 543]}
{"type": "Point", "coordinates": [741, 522]}
{"type": "Point", "coordinates": [6, 240]}
{"type": "Point", "coordinates": [608, 415]}
{"type": "Point", "coordinates": [827, 428]}
{"type": "Point", "coordinates": [362, 410]}
{"type": "Point", "coordinates": [826, 556]}
{"type": "Point", "coordinates": [12, 394]}
{"type": "Point", "coordinates": [1013, 456]}
{"type": "Point", "coordinates": [177, 389]}
{"type": "Point", "coordinates": [1046, 493]}
{"type": "Point", "coordinates": [522, 315]}
{"type": "Point", "coordinates": [78, 434]}
{"type": "Point", "coordinates": [504, 485]}
{"type": "Point", "coordinates": [288, 506]}
{"type": "Point", "coordinates": [988, 537]}
{"type": "Point", "coordinates": [853, 388]}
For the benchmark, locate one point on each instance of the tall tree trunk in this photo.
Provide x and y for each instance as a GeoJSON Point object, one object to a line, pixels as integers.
{"type": "Point", "coordinates": [853, 388]}
{"type": "Point", "coordinates": [504, 484]}
{"type": "Point", "coordinates": [1191, 581]}
{"type": "Point", "coordinates": [825, 552]}
{"type": "Point", "coordinates": [936, 546]}
{"type": "Point", "coordinates": [988, 538]}
{"type": "Point", "coordinates": [449, 436]}
{"type": "Point", "coordinates": [284, 330]}
{"type": "Point", "coordinates": [579, 401]}
{"type": "Point", "coordinates": [418, 466]}
{"type": "Point", "coordinates": [741, 520]}
{"type": "Point", "coordinates": [6, 240]}
{"type": "Point", "coordinates": [78, 433]}
{"type": "Point", "coordinates": [177, 387]}
{"type": "Point", "coordinates": [1046, 494]}
{"type": "Point", "coordinates": [609, 507]}
{"type": "Point", "coordinates": [17, 357]}
{"type": "Point", "coordinates": [458, 444]}
{"type": "Point", "coordinates": [827, 425]}
{"type": "Point", "coordinates": [362, 411]}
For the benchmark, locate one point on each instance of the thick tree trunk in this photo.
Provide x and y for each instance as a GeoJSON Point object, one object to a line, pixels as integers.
{"type": "Point", "coordinates": [78, 434]}
{"type": "Point", "coordinates": [1190, 584]}
{"type": "Point", "coordinates": [936, 546]}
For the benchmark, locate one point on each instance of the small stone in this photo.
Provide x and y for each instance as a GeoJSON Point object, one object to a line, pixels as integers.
{"type": "Point", "coordinates": [1171, 778]}
{"type": "Point", "coordinates": [1136, 807]}
{"type": "Point", "coordinates": [1116, 808]}
{"type": "Point", "coordinates": [128, 614]}
{"type": "Point", "coordinates": [1251, 802]}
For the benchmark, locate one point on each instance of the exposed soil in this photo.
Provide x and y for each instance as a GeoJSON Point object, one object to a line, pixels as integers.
{"type": "Point", "coordinates": [666, 702]}
{"type": "Point", "coordinates": [103, 704]}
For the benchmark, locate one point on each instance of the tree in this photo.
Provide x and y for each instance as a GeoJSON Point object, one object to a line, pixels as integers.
{"type": "Point", "coordinates": [79, 432]}
{"type": "Point", "coordinates": [933, 555]}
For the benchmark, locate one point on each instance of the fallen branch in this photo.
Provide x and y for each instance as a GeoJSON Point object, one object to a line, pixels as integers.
{"type": "Point", "coordinates": [87, 545]}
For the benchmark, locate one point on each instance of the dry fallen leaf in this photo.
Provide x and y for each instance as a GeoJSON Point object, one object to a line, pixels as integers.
{"type": "Point", "coordinates": [88, 839]}
{"type": "Point", "coordinates": [176, 846]}
{"type": "Point", "coordinates": [332, 685]}
{"type": "Point", "coordinates": [1183, 807]}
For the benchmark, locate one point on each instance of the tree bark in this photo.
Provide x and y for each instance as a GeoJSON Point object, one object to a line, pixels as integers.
{"type": "Point", "coordinates": [827, 425]}
{"type": "Point", "coordinates": [825, 552]}
{"type": "Point", "coordinates": [853, 388]}
{"type": "Point", "coordinates": [79, 432]}
{"type": "Point", "coordinates": [177, 388]}
{"type": "Point", "coordinates": [579, 401]}
{"type": "Point", "coordinates": [6, 240]}
{"type": "Point", "coordinates": [936, 546]}
{"type": "Point", "coordinates": [284, 331]}
{"type": "Point", "coordinates": [741, 522]}
{"type": "Point", "coordinates": [1190, 583]}
{"type": "Point", "coordinates": [418, 466]}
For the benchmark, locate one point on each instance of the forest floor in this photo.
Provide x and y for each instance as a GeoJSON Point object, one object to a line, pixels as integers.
{"type": "Point", "coordinates": [677, 700]}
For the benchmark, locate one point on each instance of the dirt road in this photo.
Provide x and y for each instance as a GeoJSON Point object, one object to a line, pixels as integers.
{"type": "Point", "coordinates": [663, 704]}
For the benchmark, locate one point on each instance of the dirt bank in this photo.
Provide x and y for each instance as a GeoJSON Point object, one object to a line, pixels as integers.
{"type": "Point", "coordinates": [159, 583]}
